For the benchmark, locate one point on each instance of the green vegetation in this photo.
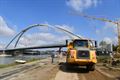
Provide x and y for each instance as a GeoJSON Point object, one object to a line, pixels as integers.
{"type": "Point", "coordinates": [103, 59]}
{"type": "Point", "coordinates": [118, 49]}
{"type": "Point", "coordinates": [109, 62]}
{"type": "Point", "coordinates": [7, 65]}
{"type": "Point", "coordinates": [33, 59]}
{"type": "Point", "coordinates": [115, 47]}
{"type": "Point", "coordinates": [117, 55]}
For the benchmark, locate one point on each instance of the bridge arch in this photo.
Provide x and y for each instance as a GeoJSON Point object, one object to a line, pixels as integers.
{"type": "Point", "coordinates": [19, 35]}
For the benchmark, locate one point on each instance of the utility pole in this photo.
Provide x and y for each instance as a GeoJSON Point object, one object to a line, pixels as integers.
{"type": "Point", "coordinates": [104, 20]}
{"type": "Point", "coordinates": [118, 28]}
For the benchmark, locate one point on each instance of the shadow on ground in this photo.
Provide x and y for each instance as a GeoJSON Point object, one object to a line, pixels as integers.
{"type": "Point", "coordinates": [63, 67]}
{"type": "Point", "coordinates": [118, 78]}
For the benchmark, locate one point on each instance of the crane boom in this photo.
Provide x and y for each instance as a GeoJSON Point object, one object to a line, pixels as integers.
{"type": "Point", "coordinates": [104, 20]}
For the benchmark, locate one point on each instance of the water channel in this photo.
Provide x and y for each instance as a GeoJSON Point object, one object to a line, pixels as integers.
{"type": "Point", "coordinates": [11, 59]}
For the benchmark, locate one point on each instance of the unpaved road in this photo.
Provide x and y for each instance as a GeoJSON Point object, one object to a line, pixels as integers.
{"type": "Point", "coordinates": [66, 76]}
{"type": "Point", "coordinates": [50, 71]}
{"type": "Point", "coordinates": [79, 74]}
{"type": "Point", "coordinates": [42, 70]}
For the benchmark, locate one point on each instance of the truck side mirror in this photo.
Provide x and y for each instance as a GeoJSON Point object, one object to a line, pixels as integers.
{"type": "Point", "coordinates": [70, 45]}
{"type": "Point", "coordinates": [66, 42]}
{"type": "Point", "coordinates": [95, 43]}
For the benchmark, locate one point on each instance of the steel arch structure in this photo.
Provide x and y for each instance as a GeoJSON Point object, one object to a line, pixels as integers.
{"type": "Point", "coordinates": [19, 35]}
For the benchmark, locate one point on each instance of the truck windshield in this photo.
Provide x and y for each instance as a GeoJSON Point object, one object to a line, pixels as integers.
{"type": "Point", "coordinates": [80, 43]}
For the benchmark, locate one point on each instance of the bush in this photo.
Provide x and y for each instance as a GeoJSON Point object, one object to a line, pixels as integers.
{"type": "Point", "coordinates": [118, 49]}
{"type": "Point", "coordinates": [117, 55]}
{"type": "Point", "coordinates": [103, 59]}
{"type": "Point", "coordinates": [7, 65]}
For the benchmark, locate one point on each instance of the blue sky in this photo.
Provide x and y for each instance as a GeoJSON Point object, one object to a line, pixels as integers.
{"type": "Point", "coordinates": [18, 14]}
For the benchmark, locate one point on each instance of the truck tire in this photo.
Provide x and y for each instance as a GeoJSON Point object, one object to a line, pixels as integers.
{"type": "Point", "coordinates": [90, 67]}
{"type": "Point", "coordinates": [68, 66]}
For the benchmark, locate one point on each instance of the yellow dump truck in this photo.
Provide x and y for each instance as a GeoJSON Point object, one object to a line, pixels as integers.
{"type": "Point", "coordinates": [81, 52]}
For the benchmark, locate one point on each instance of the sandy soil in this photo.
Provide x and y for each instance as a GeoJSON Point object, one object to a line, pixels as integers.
{"type": "Point", "coordinates": [79, 73]}
{"type": "Point", "coordinates": [50, 71]}
{"type": "Point", "coordinates": [115, 73]}
{"type": "Point", "coordinates": [66, 76]}
{"type": "Point", "coordinates": [45, 72]}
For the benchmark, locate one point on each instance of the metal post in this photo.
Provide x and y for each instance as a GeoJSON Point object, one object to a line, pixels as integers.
{"type": "Point", "coordinates": [3, 51]}
{"type": "Point", "coordinates": [60, 50]}
{"type": "Point", "coordinates": [118, 29]}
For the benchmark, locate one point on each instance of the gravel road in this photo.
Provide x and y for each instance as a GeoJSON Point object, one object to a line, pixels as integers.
{"type": "Point", "coordinates": [44, 70]}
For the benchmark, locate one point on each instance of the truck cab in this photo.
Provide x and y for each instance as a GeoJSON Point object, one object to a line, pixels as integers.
{"type": "Point", "coordinates": [81, 52]}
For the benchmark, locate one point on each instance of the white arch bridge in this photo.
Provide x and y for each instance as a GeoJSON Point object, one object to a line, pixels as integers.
{"type": "Point", "coordinates": [20, 34]}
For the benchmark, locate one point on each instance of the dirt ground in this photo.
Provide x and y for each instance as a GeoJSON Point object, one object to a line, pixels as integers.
{"type": "Point", "coordinates": [79, 73]}
{"type": "Point", "coordinates": [115, 73]}
{"type": "Point", "coordinates": [54, 71]}
{"type": "Point", "coordinates": [45, 72]}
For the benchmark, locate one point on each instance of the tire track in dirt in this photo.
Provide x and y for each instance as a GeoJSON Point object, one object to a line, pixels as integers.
{"type": "Point", "coordinates": [79, 73]}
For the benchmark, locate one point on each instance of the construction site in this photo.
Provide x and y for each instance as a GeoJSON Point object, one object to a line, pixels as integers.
{"type": "Point", "coordinates": [59, 40]}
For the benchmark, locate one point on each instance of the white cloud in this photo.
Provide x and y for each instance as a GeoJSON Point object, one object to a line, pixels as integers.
{"type": "Point", "coordinates": [115, 40]}
{"type": "Point", "coordinates": [2, 45]}
{"type": "Point", "coordinates": [109, 25]}
{"type": "Point", "coordinates": [110, 29]}
{"type": "Point", "coordinates": [108, 32]}
{"type": "Point", "coordinates": [37, 39]}
{"type": "Point", "coordinates": [4, 28]}
{"type": "Point", "coordinates": [43, 38]}
{"type": "Point", "coordinates": [80, 5]}
{"type": "Point", "coordinates": [107, 40]}
{"type": "Point", "coordinates": [66, 27]}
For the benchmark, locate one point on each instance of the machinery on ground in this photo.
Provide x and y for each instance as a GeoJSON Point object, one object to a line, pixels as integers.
{"type": "Point", "coordinates": [82, 52]}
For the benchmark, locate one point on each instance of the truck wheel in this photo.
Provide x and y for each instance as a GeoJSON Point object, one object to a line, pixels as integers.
{"type": "Point", "coordinates": [91, 67]}
{"type": "Point", "coordinates": [68, 67]}
{"type": "Point", "coordinates": [88, 67]}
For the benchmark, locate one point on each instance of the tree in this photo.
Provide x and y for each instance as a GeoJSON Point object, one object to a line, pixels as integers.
{"type": "Point", "coordinates": [103, 44]}
{"type": "Point", "coordinates": [118, 49]}
{"type": "Point", "coordinates": [114, 47]}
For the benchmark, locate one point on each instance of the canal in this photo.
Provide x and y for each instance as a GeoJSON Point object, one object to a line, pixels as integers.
{"type": "Point", "coordinates": [11, 59]}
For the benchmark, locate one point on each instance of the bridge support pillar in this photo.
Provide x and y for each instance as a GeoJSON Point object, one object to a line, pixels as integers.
{"type": "Point", "coordinates": [3, 51]}
{"type": "Point", "coordinates": [60, 54]}
{"type": "Point", "coordinates": [60, 50]}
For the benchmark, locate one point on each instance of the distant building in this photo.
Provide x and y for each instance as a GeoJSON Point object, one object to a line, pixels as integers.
{"type": "Point", "coordinates": [105, 49]}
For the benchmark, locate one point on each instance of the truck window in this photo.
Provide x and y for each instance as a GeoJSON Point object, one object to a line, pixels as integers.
{"type": "Point", "coordinates": [80, 43]}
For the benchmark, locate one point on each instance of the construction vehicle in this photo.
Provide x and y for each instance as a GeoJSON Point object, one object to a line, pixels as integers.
{"type": "Point", "coordinates": [82, 52]}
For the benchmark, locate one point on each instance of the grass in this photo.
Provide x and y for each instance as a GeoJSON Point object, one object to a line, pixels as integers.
{"type": "Point", "coordinates": [33, 59]}
{"type": "Point", "coordinates": [7, 65]}
{"type": "Point", "coordinates": [107, 61]}
{"type": "Point", "coordinates": [103, 59]}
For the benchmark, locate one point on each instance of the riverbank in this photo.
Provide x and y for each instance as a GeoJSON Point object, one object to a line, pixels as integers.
{"type": "Point", "coordinates": [11, 59]}
{"type": "Point", "coordinates": [36, 70]}
{"type": "Point", "coordinates": [44, 70]}
{"type": "Point", "coordinates": [14, 64]}
{"type": "Point", "coordinates": [4, 55]}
